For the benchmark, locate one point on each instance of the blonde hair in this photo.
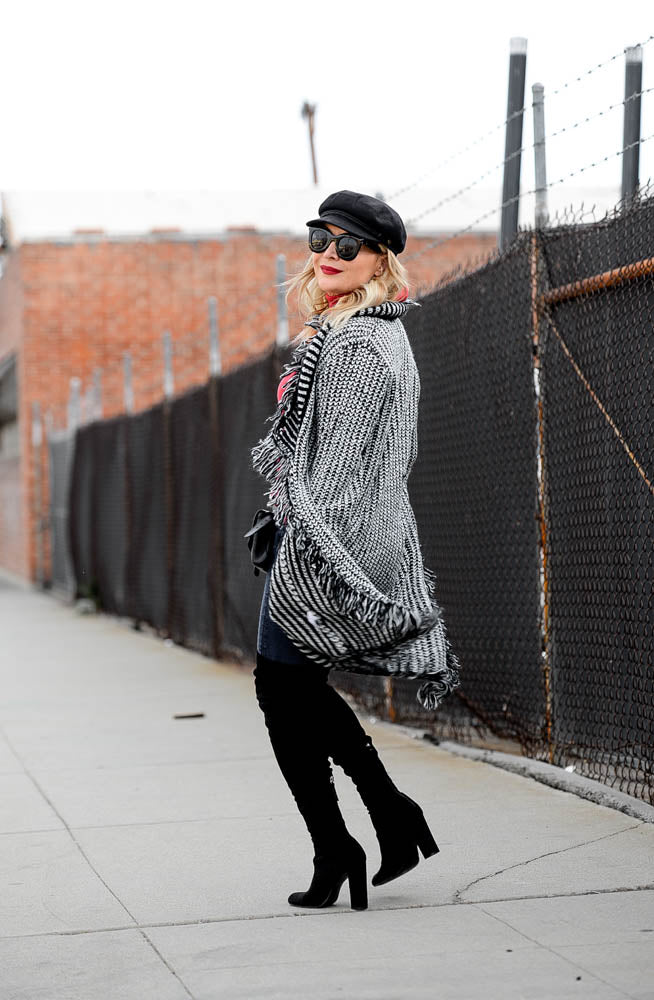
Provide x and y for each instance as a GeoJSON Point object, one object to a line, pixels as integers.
{"type": "Point", "coordinates": [312, 300]}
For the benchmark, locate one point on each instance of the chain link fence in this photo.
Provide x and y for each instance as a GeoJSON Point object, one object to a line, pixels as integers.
{"type": "Point", "coordinates": [596, 312]}
{"type": "Point", "coordinates": [532, 492]}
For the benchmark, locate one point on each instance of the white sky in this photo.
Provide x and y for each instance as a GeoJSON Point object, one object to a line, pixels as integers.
{"type": "Point", "coordinates": [152, 97]}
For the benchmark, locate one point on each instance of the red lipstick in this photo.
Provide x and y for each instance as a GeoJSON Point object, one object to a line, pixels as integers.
{"type": "Point", "coordinates": [329, 270]}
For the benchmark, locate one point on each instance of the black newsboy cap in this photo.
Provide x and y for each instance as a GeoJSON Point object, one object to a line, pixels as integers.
{"type": "Point", "coordinates": [363, 216]}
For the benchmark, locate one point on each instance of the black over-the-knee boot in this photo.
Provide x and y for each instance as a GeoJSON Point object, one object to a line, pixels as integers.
{"type": "Point", "coordinates": [399, 822]}
{"type": "Point", "coordinates": [290, 701]}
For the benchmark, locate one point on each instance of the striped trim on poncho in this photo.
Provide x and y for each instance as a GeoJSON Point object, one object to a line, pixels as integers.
{"type": "Point", "coordinates": [348, 585]}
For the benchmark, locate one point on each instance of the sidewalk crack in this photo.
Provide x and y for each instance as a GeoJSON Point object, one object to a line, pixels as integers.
{"type": "Point", "coordinates": [458, 895]}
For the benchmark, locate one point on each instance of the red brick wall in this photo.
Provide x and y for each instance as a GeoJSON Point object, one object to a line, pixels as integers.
{"type": "Point", "coordinates": [89, 300]}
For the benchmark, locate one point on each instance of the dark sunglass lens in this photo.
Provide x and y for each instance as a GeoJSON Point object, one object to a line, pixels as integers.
{"type": "Point", "coordinates": [318, 240]}
{"type": "Point", "coordinates": [347, 247]}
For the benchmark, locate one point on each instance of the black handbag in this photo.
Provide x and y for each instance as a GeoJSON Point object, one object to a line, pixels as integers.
{"type": "Point", "coordinates": [261, 540]}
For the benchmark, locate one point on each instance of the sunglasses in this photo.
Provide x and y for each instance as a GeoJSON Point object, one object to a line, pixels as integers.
{"type": "Point", "coordinates": [347, 246]}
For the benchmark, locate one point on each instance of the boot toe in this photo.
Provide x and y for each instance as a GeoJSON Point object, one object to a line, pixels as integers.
{"type": "Point", "coordinates": [298, 899]}
{"type": "Point", "coordinates": [389, 872]}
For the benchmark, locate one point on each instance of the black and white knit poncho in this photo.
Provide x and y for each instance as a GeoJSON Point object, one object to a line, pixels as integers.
{"type": "Point", "coordinates": [349, 586]}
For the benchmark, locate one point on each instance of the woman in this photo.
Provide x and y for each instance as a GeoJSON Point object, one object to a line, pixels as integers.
{"type": "Point", "coordinates": [347, 587]}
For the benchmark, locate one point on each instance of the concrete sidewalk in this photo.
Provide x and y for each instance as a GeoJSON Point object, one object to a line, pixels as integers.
{"type": "Point", "coordinates": [149, 858]}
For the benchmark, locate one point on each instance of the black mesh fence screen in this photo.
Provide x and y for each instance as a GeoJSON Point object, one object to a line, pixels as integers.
{"type": "Point", "coordinates": [149, 559]}
{"type": "Point", "coordinates": [532, 492]}
{"type": "Point", "coordinates": [109, 528]}
{"type": "Point", "coordinates": [598, 404]}
{"type": "Point", "coordinates": [193, 498]}
{"type": "Point", "coordinates": [81, 524]}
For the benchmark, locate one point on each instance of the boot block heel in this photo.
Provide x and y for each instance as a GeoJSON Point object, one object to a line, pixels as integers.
{"type": "Point", "coordinates": [425, 840]}
{"type": "Point", "coordinates": [358, 887]}
{"type": "Point", "coordinates": [346, 863]}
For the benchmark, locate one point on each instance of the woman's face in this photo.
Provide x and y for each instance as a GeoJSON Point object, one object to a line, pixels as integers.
{"type": "Point", "coordinates": [338, 277]}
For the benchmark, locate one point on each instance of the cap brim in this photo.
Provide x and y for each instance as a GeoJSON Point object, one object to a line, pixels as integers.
{"type": "Point", "coordinates": [346, 222]}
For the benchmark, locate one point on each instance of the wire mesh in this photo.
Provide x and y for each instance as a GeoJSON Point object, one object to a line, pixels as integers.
{"type": "Point", "coordinates": [149, 557]}
{"type": "Point", "coordinates": [193, 613]}
{"type": "Point", "coordinates": [79, 527]}
{"type": "Point", "coordinates": [598, 405]}
{"type": "Point", "coordinates": [109, 537]}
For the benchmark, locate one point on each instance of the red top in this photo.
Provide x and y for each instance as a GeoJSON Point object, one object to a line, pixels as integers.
{"type": "Point", "coordinates": [282, 384]}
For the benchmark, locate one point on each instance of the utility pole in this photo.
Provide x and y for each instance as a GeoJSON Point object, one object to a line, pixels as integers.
{"type": "Point", "coordinates": [308, 112]}
{"type": "Point", "coordinates": [513, 144]}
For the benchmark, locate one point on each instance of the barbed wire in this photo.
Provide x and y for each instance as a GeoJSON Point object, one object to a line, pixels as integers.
{"type": "Point", "coordinates": [460, 152]}
{"type": "Point", "coordinates": [567, 128]}
{"type": "Point", "coordinates": [485, 135]}
{"type": "Point", "coordinates": [594, 69]}
{"type": "Point", "coordinates": [464, 190]}
{"type": "Point", "coordinates": [598, 114]}
{"type": "Point", "coordinates": [525, 194]}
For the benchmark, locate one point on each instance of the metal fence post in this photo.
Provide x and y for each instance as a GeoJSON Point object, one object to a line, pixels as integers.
{"type": "Point", "coordinates": [86, 406]}
{"type": "Point", "coordinates": [169, 387]}
{"type": "Point", "coordinates": [218, 561]}
{"type": "Point", "coordinates": [128, 405]}
{"type": "Point", "coordinates": [75, 385]}
{"type": "Point", "coordinates": [540, 168]}
{"type": "Point", "coordinates": [169, 493]}
{"type": "Point", "coordinates": [633, 85]}
{"type": "Point", "coordinates": [217, 484]}
{"type": "Point", "coordinates": [282, 315]}
{"type": "Point", "coordinates": [543, 513]}
{"type": "Point", "coordinates": [513, 143]}
{"type": "Point", "coordinates": [96, 406]}
{"type": "Point", "coordinates": [37, 442]}
{"type": "Point", "coordinates": [128, 388]}
{"type": "Point", "coordinates": [215, 364]}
